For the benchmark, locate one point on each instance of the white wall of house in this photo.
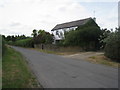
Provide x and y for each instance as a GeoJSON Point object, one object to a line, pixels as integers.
{"type": "Point", "coordinates": [61, 33]}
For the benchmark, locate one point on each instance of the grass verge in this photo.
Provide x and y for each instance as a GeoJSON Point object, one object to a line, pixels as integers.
{"type": "Point", "coordinates": [101, 59]}
{"type": "Point", "coordinates": [15, 72]}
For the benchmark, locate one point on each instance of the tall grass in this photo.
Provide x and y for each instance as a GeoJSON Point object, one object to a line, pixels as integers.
{"type": "Point", "coordinates": [15, 73]}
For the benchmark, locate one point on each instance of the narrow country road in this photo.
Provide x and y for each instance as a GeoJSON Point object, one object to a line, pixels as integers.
{"type": "Point", "coordinates": [54, 71]}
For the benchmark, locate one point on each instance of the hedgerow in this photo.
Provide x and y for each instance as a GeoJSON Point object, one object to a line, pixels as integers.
{"type": "Point", "coordinates": [24, 43]}
{"type": "Point", "coordinates": [112, 47]}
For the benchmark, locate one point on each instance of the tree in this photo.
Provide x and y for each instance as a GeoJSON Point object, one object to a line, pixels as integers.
{"type": "Point", "coordinates": [34, 34]}
{"type": "Point", "coordinates": [9, 38]}
{"type": "Point", "coordinates": [3, 36]}
{"type": "Point", "coordinates": [112, 47]}
{"type": "Point", "coordinates": [105, 34]}
{"type": "Point", "coordinates": [86, 36]}
{"type": "Point", "coordinates": [41, 32]}
{"type": "Point", "coordinates": [49, 38]}
{"type": "Point", "coordinates": [13, 38]}
{"type": "Point", "coordinates": [43, 37]}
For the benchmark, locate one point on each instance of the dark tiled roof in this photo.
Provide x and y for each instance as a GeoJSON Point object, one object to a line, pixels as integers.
{"type": "Point", "coordinates": [71, 24]}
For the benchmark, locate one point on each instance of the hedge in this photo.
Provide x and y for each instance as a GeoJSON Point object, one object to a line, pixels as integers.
{"type": "Point", "coordinates": [112, 48]}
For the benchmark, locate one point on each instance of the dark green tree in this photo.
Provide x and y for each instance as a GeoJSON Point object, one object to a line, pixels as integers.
{"type": "Point", "coordinates": [34, 34]}
{"type": "Point", "coordinates": [112, 47]}
{"type": "Point", "coordinates": [43, 37]}
{"type": "Point", "coordinates": [86, 36]}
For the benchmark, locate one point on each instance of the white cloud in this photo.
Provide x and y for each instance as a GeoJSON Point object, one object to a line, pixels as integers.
{"type": "Point", "coordinates": [39, 14]}
{"type": "Point", "coordinates": [97, 0]}
{"type": "Point", "coordinates": [22, 16]}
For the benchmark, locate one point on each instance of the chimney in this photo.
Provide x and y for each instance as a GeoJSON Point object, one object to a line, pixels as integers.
{"type": "Point", "coordinates": [94, 19]}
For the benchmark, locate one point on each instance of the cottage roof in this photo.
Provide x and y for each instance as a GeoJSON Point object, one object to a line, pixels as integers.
{"type": "Point", "coordinates": [71, 24]}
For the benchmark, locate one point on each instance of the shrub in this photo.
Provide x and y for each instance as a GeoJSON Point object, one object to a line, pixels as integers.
{"type": "Point", "coordinates": [10, 42]}
{"type": "Point", "coordinates": [112, 47]}
{"type": "Point", "coordinates": [42, 37]}
{"type": "Point", "coordinates": [86, 36]}
{"type": "Point", "coordinates": [24, 43]}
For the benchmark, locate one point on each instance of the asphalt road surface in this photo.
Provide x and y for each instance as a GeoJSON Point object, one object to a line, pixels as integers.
{"type": "Point", "coordinates": [54, 71]}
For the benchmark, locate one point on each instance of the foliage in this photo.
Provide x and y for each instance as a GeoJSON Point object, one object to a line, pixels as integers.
{"type": "Point", "coordinates": [86, 36]}
{"type": "Point", "coordinates": [10, 42]}
{"type": "Point", "coordinates": [34, 34]}
{"type": "Point", "coordinates": [14, 38]}
{"type": "Point", "coordinates": [24, 43]}
{"type": "Point", "coordinates": [43, 37]}
{"type": "Point", "coordinates": [19, 40]}
{"type": "Point", "coordinates": [103, 36]}
{"type": "Point", "coordinates": [112, 47]}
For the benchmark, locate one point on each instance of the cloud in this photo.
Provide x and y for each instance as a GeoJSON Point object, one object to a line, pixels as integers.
{"type": "Point", "coordinates": [97, 0]}
{"type": "Point", "coordinates": [22, 16]}
{"type": "Point", "coordinates": [14, 24]}
{"type": "Point", "coordinates": [39, 14]}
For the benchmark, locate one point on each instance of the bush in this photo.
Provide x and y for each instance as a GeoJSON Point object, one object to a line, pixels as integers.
{"type": "Point", "coordinates": [42, 37]}
{"type": "Point", "coordinates": [10, 42]}
{"type": "Point", "coordinates": [24, 43]}
{"type": "Point", "coordinates": [86, 36]}
{"type": "Point", "coordinates": [112, 47]}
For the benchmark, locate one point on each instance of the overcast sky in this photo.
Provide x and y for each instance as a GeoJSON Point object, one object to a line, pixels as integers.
{"type": "Point", "coordinates": [22, 16]}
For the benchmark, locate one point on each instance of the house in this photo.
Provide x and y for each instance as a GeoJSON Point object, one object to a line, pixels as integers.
{"type": "Point", "coordinates": [59, 29]}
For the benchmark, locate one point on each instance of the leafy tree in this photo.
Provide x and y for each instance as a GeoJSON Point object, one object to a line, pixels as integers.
{"type": "Point", "coordinates": [105, 34]}
{"type": "Point", "coordinates": [13, 38]}
{"type": "Point", "coordinates": [3, 36]}
{"type": "Point", "coordinates": [86, 36]}
{"type": "Point", "coordinates": [9, 38]}
{"type": "Point", "coordinates": [43, 37]}
{"type": "Point", "coordinates": [49, 38]}
{"type": "Point", "coordinates": [112, 47]}
{"type": "Point", "coordinates": [34, 34]}
{"type": "Point", "coordinates": [41, 32]}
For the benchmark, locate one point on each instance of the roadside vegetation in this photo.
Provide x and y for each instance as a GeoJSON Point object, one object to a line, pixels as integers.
{"type": "Point", "coordinates": [86, 36]}
{"type": "Point", "coordinates": [89, 37]}
{"type": "Point", "coordinates": [42, 37]}
{"type": "Point", "coordinates": [15, 71]}
{"type": "Point", "coordinates": [24, 43]}
{"type": "Point", "coordinates": [112, 47]}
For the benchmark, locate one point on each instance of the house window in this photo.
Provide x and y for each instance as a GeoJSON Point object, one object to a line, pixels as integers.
{"type": "Point", "coordinates": [57, 33]}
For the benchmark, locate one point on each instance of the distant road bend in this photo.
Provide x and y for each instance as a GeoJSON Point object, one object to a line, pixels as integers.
{"type": "Point", "coordinates": [54, 71]}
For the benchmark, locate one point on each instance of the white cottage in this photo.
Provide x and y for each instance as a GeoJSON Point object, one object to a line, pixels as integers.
{"type": "Point", "coordinates": [59, 29]}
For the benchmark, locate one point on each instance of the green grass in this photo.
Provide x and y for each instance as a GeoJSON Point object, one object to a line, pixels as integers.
{"type": "Point", "coordinates": [15, 71]}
